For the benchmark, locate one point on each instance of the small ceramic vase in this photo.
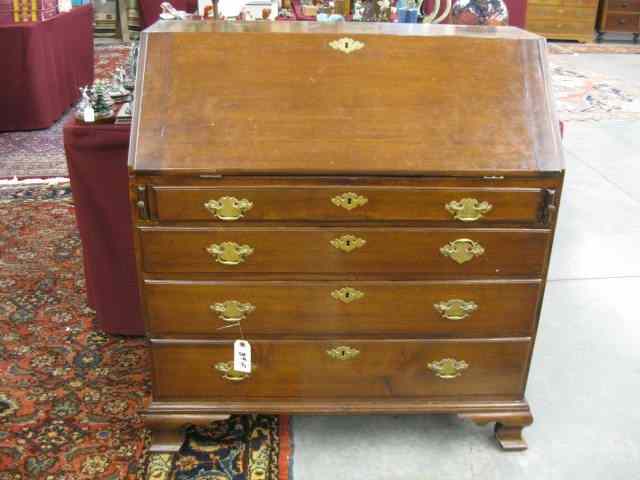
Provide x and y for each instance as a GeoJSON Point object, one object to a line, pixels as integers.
{"type": "Point", "coordinates": [480, 12]}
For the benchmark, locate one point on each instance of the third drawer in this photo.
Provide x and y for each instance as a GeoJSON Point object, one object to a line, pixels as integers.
{"type": "Point", "coordinates": [326, 309]}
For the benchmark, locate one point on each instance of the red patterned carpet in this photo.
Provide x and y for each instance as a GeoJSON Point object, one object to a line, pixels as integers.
{"type": "Point", "coordinates": [69, 394]}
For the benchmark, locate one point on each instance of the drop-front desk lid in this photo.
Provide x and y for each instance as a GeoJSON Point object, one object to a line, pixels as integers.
{"type": "Point", "coordinates": [306, 98]}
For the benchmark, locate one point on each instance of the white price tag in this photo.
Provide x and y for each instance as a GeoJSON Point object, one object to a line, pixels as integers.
{"type": "Point", "coordinates": [88, 114]}
{"type": "Point", "coordinates": [242, 356]}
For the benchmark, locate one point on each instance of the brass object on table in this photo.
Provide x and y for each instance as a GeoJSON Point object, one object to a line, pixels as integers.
{"type": "Point", "coordinates": [228, 208]}
{"type": "Point", "coordinates": [346, 45]}
{"type": "Point", "coordinates": [455, 309]}
{"type": "Point", "coordinates": [232, 311]}
{"type": "Point", "coordinates": [229, 253]}
{"type": "Point", "coordinates": [347, 294]}
{"type": "Point", "coordinates": [468, 209]}
{"type": "Point", "coordinates": [230, 374]}
{"type": "Point", "coordinates": [349, 200]}
{"type": "Point", "coordinates": [348, 243]}
{"type": "Point", "coordinates": [462, 250]}
{"type": "Point", "coordinates": [343, 352]}
{"type": "Point", "coordinates": [448, 368]}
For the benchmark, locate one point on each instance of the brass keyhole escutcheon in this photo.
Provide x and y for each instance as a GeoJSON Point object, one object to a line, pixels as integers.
{"type": "Point", "coordinates": [346, 45]}
{"type": "Point", "coordinates": [343, 352]}
{"type": "Point", "coordinates": [455, 309]}
{"type": "Point", "coordinates": [468, 209]}
{"type": "Point", "coordinates": [348, 243]}
{"type": "Point", "coordinates": [229, 253]}
{"type": "Point", "coordinates": [448, 368]}
{"type": "Point", "coordinates": [347, 294]}
{"type": "Point", "coordinates": [349, 200]}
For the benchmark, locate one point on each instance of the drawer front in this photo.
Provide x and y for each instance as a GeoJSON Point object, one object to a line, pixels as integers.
{"type": "Point", "coordinates": [561, 26]}
{"type": "Point", "coordinates": [630, 6]}
{"type": "Point", "coordinates": [226, 205]}
{"type": "Point", "coordinates": [617, 22]}
{"type": "Point", "coordinates": [341, 369]}
{"type": "Point", "coordinates": [533, 6]}
{"type": "Point", "coordinates": [436, 252]}
{"type": "Point", "coordinates": [342, 309]}
{"type": "Point", "coordinates": [550, 12]}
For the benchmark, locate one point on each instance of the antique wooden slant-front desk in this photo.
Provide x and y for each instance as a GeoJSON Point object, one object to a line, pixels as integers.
{"type": "Point", "coordinates": [371, 206]}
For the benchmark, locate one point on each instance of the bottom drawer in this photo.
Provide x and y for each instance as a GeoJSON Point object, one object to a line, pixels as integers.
{"type": "Point", "coordinates": [191, 370]}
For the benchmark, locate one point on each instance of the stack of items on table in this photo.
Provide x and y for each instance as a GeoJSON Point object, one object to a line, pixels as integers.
{"type": "Point", "coordinates": [104, 24]}
{"type": "Point", "coordinates": [20, 11]}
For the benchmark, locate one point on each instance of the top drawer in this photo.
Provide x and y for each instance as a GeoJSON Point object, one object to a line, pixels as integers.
{"type": "Point", "coordinates": [631, 6]}
{"type": "Point", "coordinates": [335, 204]}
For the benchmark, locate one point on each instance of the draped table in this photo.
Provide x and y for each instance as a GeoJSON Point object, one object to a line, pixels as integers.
{"type": "Point", "coordinates": [42, 67]}
{"type": "Point", "coordinates": [97, 161]}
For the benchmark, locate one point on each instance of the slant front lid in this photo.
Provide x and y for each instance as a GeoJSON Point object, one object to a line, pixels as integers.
{"type": "Point", "coordinates": [313, 99]}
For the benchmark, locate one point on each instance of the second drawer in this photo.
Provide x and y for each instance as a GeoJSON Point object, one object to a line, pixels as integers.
{"type": "Point", "coordinates": [444, 253]}
{"type": "Point", "coordinates": [326, 309]}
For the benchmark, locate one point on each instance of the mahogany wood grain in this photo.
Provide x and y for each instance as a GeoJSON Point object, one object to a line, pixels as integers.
{"type": "Point", "coordinates": [291, 203]}
{"type": "Point", "coordinates": [269, 111]}
{"type": "Point", "coordinates": [622, 22]}
{"type": "Point", "coordinates": [299, 309]}
{"type": "Point", "coordinates": [303, 369]}
{"type": "Point", "coordinates": [308, 250]}
{"type": "Point", "coordinates": [508, 428]}
{"type": "Point", "coordinates": [631, 6]}
{"type": "Point", "coordinates": [314, 110]}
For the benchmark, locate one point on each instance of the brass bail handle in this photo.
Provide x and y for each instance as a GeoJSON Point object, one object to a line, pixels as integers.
{"type": "Point", "coordinates": [228, 208]}
{"type": "Point", "coordinates": [455, 308]}
{"type": "Point", "coordinates": [231, 375]}
{"type": "Point", "coordinates": [229, 253]}
{"type": "Point", "coordinates": [468, 209]}
{"type": "Point", "coordinates": [232, 311]}
{"type": "Point", "coordinates": [447, 368]}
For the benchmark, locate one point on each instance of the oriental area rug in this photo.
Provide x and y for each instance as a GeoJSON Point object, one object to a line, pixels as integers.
{"type": "Point", "coordinates": [69, 394]}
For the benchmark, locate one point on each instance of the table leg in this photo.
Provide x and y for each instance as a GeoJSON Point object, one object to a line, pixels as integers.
{"type": "Point", "coordinates": [124, 20]}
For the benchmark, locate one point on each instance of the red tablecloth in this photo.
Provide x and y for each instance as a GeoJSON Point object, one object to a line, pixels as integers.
{"type": "Point", "coordinates": [42, 65]}
{"type": "Point", "coordinates": [97, 161]}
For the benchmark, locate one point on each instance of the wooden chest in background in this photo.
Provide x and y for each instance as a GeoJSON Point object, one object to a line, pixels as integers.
{"type": "Point", "coordinates": [381, 240]}
{"type": "Point", "coordinates": [619, 16]}
{"type": "Point", "coordinates": [563, 19]}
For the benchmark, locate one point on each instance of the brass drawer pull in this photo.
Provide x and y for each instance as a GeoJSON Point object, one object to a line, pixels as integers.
{"type": "Point", "coordinates": [462, 250]}
{"type": "Point", "coordinates": [455, 309]}
{"type": "Point", "coordinates": [343, 353]}
{"type": "Point", "coordinates": [349, 200]}
{"type": "Point", "coordinates": [229, 253]}
{"type": "Point", "coordinates": [468, 209]}
{"type": "Point", "coordinates": [448, 368]}
{"type": "Point", "coordinates": [230, 374]}
{"type": "Point", "coordinates": [232, 311]}
{"type": "Point", "coordinates": [347, 294]}
{"type": "Point", "coordinates": [348, 243]}
{"type": "Point", "coordinates": [228, 208]}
